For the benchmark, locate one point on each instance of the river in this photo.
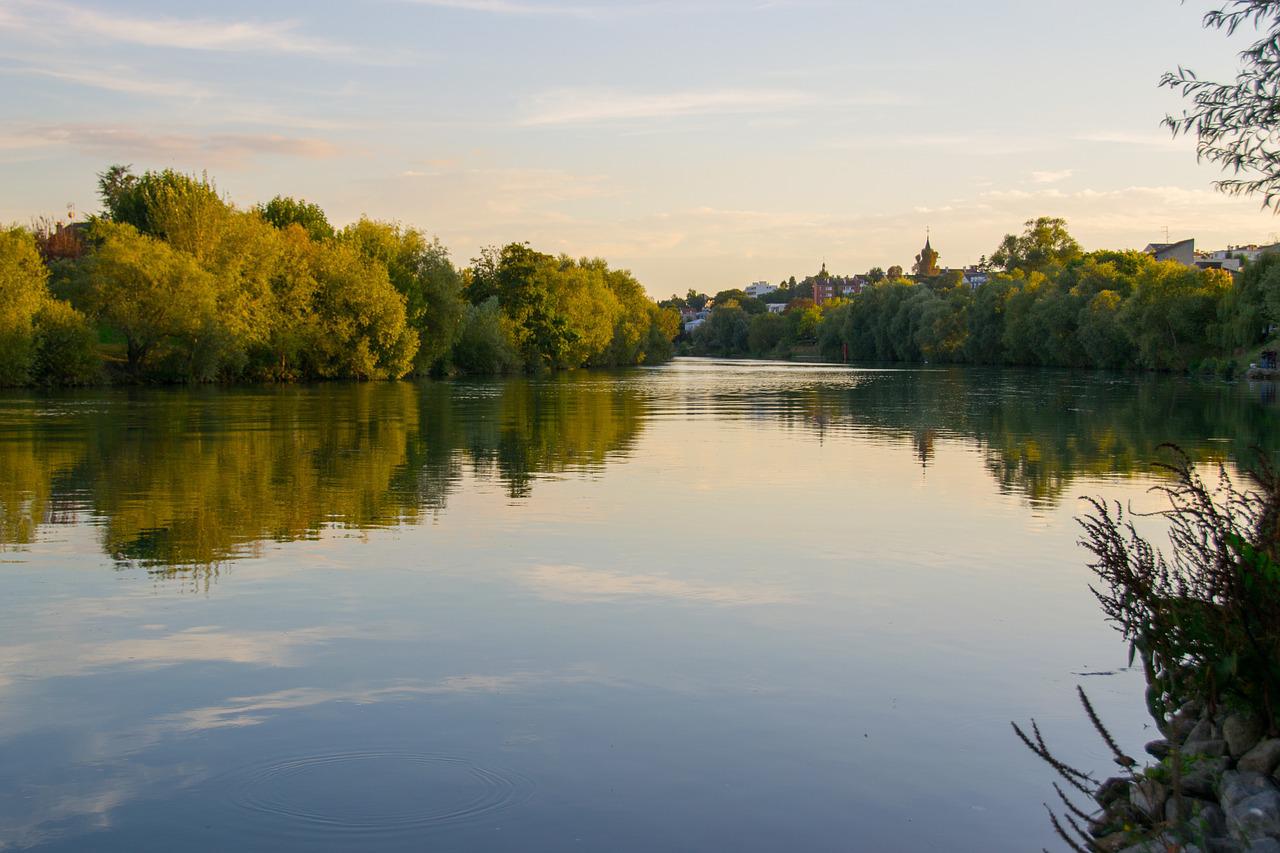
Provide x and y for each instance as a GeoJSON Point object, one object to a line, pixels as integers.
{"type": "Point", "coordinates": [707, 606]}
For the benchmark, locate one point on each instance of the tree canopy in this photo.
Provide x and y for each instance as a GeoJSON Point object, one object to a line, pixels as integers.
{"type": "Point", "coordinates": [1235, 123]}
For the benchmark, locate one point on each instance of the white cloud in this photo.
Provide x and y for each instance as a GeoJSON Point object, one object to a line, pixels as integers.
{"type": "Point", "coordinates": [1144, 140]}
{"type": "Point", "coordinates": [115, 79]}
{"type": "Point", "coordinates": [1051, 177]}
{"type": "Point", "coordinates": [153, 143]}
{"type": "Point", "coordinates": [592, 106]}
{"type": "Point", "coordinates": [54, 19]}
{"type": "Point", "coordinates": [576, 584]}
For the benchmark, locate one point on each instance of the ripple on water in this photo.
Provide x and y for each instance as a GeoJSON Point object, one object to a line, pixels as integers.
{"type": "Point", "coordinates": [371, 794]}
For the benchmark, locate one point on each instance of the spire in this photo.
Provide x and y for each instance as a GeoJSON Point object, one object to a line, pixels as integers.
{"type": "Point", "coordinates": [927, 247]}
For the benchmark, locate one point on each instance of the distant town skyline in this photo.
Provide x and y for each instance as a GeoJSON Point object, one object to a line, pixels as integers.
{"type": "Point", "coordinates": [703, 144]}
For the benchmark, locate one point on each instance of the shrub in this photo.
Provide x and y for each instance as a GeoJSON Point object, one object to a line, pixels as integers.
{"type": "Point", "coordinates": [66, 351]}
{"type": "Point", "coordinates": [1206, 621]}
{"type": "Point", "coordinates": [485, 344]}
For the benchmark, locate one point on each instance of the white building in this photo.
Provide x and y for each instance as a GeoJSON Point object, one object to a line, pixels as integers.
{"type": "Point", "coordinates": [759, 288]}
{"type": "Point", "coordinates": [1233, 258]}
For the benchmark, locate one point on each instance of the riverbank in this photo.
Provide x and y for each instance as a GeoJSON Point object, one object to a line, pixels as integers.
{"type": "Point", "coordinates": [1215, 788]}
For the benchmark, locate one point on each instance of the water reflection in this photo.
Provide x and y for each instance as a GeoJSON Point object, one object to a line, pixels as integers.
{"type": "Point", "coordinates": [698, 607]}
{"type": "Point", "coordinates": [177, 479]}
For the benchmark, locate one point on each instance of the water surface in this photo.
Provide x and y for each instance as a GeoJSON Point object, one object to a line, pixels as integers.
{"type": "Point", "coordinates": [713, 605]}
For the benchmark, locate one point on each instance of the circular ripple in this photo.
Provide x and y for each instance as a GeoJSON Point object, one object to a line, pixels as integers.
{"type": "Point", "coordinates": [377, 792]}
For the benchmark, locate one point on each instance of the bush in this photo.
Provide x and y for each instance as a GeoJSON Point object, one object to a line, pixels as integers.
{"type": "Point", "coordinates": [23, 290]}
{"type": "Point", "coordinates": [1205, 622]}
{"type": "Point", "coordinates": [66, 351]}
{"type": "Point", "coordinates": [485, 345]}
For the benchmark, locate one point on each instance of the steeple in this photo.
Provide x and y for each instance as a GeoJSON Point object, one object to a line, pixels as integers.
{"type": "Point", "coordinates": [927, 261]}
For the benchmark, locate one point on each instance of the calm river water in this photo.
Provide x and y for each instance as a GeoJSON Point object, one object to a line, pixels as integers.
{"type": "Point", "coordinates": [708, 606]}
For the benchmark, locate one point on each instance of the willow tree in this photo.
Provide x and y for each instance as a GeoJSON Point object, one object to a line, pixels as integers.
{"type": "Point", "coordinates": [1235, 124]}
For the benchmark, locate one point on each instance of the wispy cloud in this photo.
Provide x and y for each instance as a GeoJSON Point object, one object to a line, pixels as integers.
{"type": "Point", "coordinates": [1051, 177]}
{"type": "Point", "coordinates": [151, 143]}
{"type": "Point", "coordinates": [51, 17]}
{"type": "Point", "coordinates": [577, 584]}
{"type": "Point", "coordinates": [1155, 139]}
{"type": "Point", "coordinates": [595, 106]}
{"type": "Point", "coordinates": [113, 79]}
{"type": "Point", "coordinates": [554, 8]}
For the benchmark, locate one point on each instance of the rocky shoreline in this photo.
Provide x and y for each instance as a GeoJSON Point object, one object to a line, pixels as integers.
{"type": "Point", "coordinates": [1215, 789]}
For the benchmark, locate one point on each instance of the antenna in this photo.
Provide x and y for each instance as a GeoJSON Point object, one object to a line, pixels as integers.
{"type": "Point", "coordinates": [1166, 233]}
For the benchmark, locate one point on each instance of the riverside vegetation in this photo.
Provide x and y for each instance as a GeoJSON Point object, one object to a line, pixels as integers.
{"type": "Point", "coordinates": [174, 284]}
{"type": "Point", "coordinates": [1205, 624]}
{"type": "Point", "coordinates": [1047, 303]}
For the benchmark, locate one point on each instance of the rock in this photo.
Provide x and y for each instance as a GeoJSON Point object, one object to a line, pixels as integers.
{"type": "Point", "coordinates": [1179, 726]}
{"type": "Point", "coordinates": [1212, 748]}
{"type": "Point", "coordinates": [1239, 785]}
{"type": "Point", "coordinates": [1202, 779]}
{"type": "Point", "coordinates": [1242, 733]}
{"type": "Point", "coordinates": [1205, 816]}
{"type": "Point", "coordinates": [1149, 796]}
{"type": "Point", "coordinates": [1263, 758]}
{"type": "Point", "coordinates": [1158, 749]}
{"type": "Point", "coordinates": [1252, 805]}
{"type": "Point", "coordinates": [1203, 730]}
{"type": "Point", "coordinates": [1264, 845]}
{"type": "Point", "coordinates": [1223, 845]}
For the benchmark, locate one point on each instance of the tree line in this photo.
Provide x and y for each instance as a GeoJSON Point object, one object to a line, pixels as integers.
{"type": "Point", "coordinates": [172, 283]}
{"type": "Point", "coordinates": [1046, 303]}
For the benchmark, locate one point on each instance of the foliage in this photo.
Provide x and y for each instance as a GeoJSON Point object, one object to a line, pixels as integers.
{"type": "Point", "coordinates": [1205, 622]}
{"type": "Point", "coordinates": [66, 351]}
{"type": "Point", "coordinates": [283, 211]}
{"type": "Point", "coordinates": [1235, 123]}
{"type": "Point", "coordinates": [157, 298]}
{"type": "Point", "coordinates": [23, 292]}
{"type": "Point", "coordinates": [1044, 244]}
{"type": "Point", "coordinates": [485, 344]}
{"type": "Point", "coordinates": [421, 271]}
{"type": "Point", "coordinates": [179, 285]}
{"type": "Point", "coordinates": [363, 332]}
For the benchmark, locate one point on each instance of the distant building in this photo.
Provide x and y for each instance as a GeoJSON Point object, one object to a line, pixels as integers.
{"type": "Point", "coordinates": [1184, 252]}
{"type": "Point", "coordinates": [827, 286]}
{"type": "Point", "coordinates": [1233, 258]}
{"type": "Point", "coordinates": [776, 307]}
{"type": "Point", "coordinates": [926, 264]}
{"type": "Point", "coordinates": [975, 278]}
{"type": "Point", "coordinates": [759, 288]}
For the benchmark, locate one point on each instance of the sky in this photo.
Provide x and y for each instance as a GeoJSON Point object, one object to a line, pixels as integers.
{"type": "Point", "coordinates": [700, 143]}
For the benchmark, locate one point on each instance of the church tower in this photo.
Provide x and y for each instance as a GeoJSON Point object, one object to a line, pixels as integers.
{"type": "Point", "coordinates": [927, 260]}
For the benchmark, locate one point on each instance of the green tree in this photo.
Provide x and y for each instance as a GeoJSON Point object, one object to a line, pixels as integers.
{"type": "Point", "coordinates": [765, 332]}
{"type": "Point", "coordinates": [1173, 314]}
{"type": "Point", "coordinates": [725, 332]}
{"type": "Point", "coordinates": [1044, 244]}
{"type": "Point", "coordinates": [421, 270]}
{"type": "Point", "coordinates": [23, 293]}
{"type": "Point", "coordinates": [1251, 311]}
{"type": "Point", "coordinates": [283, 211]}
{"type": "Point", "coordinates": [363, 332]}
{"type": "Point", "coordinates": [1103, 335]}
{"type": "Point", "coordinates": [1235, 123]}
{"type": "Point", "coordinates": [153, 296]}
{"type": "Point", "coordinates": [485, 344]}
{"type": "Point", "coordinates": [66, 351]}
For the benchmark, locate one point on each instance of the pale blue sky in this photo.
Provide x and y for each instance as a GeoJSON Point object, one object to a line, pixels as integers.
{"type": "Point", "coordinates": [704, 144]}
